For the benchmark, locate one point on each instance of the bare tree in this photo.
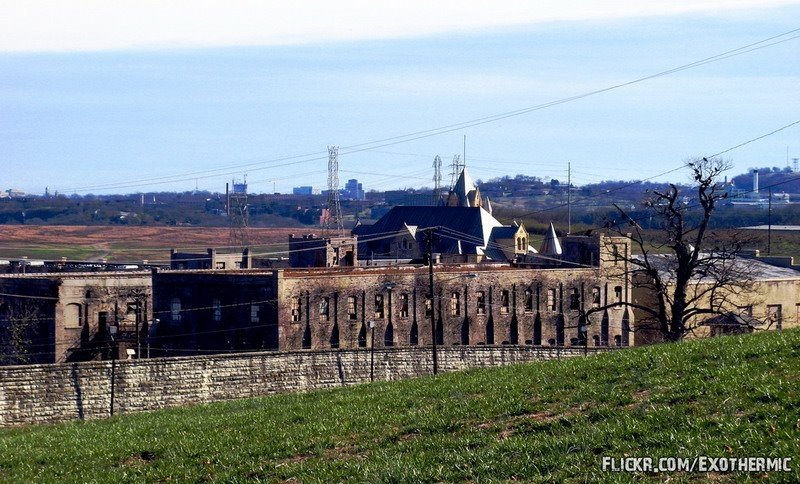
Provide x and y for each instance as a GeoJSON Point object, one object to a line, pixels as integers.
{"type": "Point", "coordinates": [691, 272]}
{"type": "Point", "coordinates": [19, 321]}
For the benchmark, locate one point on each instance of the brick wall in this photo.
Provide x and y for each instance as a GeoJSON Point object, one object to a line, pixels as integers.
{"type": "Point", "coordinates": [51, 393]}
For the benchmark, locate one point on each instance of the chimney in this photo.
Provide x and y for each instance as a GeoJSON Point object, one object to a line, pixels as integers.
{"type": "Point", "coordinates": [755, 182]}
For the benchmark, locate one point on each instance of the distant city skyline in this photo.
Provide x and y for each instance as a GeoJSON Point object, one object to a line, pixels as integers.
{"type": "Point", "coordinates": [127, 106]}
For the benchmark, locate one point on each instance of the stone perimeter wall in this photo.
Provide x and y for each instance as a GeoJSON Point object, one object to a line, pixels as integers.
{"type": "Point", "coordinates": [52, 393]}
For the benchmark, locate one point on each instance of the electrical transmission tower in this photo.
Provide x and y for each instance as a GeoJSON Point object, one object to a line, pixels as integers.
{"type": "Point", "coordinates": [238, 215]}
{"type": "Point", "coordinates": [455, 170]}
{"type": "Point", "coordinates": [334, 215]}
{"type": "Point", "coordinates": [437, 180]}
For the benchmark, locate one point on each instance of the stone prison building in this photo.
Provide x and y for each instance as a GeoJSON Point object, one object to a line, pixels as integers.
{"type": "Point", "coordinates": [537, 303]}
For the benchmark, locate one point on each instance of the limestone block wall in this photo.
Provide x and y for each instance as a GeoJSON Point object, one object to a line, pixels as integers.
{"type": "Point", "coordinates": [59, 392]}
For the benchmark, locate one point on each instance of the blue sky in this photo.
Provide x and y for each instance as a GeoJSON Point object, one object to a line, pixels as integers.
{"type": "Point", "coordinates": [101, 118]}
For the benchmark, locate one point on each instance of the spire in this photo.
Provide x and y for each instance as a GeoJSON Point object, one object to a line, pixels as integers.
{"type": "Point", "coordinates": [550, 244]}
{"type": "Point", "coordinates": [464, 185]}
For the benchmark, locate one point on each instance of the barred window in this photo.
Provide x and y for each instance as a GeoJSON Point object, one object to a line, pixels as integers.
{"type": "Point", "coordinates": [504, 303]}
{"type": "Point", "coordinates": [324, 311]}
{"type": "Point", "coordinates": [216, 306]}
{"type": "Point", "coordinates": [403, 305]}
{"type": "Point", "coordinates": [551, 300]}
{"type": "Point", "coordinates": [455, 304]}
{"type": "Point", "coordinates": [379, 313]}
{"type": "Point", "coordinates": [352, 308]}
{"type": "Point", "coordinates": [481, 296]}
{"type": "Point", "coordinates": [297, 311]}
{"type": "Point", "coordinates": [528, 301]}
{"type": "Point", "coordinates": [175, 309]}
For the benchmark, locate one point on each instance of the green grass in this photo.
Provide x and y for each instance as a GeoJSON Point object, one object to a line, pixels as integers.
{"type": "Point", "coordinates": [726, 397]}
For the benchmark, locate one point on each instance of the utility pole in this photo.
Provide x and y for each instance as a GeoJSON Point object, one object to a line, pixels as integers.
{"type": "Point", "coordinates": [769, 224]}
{"type": "Point", "coordinates": [433, 304]}
{"type": "Point", "coordinates": [569, 198]}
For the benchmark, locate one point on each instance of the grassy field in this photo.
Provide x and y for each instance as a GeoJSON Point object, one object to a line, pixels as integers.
{"type": "Point", "coordinates": [127, 243]}
{"type": "Point", "coordinates": [727, 397]}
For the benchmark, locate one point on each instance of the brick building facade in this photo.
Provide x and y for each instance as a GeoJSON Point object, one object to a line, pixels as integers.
{"type": "Point", "coordinates": [67, 316]}
{"type": "Point", "coordinates": [321, 308]}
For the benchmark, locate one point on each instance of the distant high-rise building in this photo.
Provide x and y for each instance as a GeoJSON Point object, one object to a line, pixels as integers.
{"type": "Point", "coordinates": [353, 190]}
{"type": "Point", "coordinates": [302, 190]}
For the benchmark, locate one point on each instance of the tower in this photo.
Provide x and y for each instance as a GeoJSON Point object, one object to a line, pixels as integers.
{"type": "Point", "coordinates": [437, 180]}
{"type": "Point", "coordinates": [238, 215]}
{"type": "Point", "coordinates": [455, 166]}
{"type": "Point", "coordinates": [333, 218]}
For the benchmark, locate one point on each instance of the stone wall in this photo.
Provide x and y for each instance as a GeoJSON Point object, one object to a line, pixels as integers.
{"type": "Point", "coordinates": [51, 393]}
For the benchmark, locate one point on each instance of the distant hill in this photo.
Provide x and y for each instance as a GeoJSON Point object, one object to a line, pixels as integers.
{"type": "Point", "coordinates": [779, 179]}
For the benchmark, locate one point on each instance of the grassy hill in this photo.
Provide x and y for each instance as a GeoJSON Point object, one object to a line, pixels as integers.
{"type": "Point", "coordinates": [726, 397]}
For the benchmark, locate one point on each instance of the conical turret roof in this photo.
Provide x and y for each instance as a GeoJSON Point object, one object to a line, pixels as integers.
{"type": "Point", "coordinates": [550, 245]}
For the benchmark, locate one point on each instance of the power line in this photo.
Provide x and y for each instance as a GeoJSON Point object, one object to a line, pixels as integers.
{"type": "Point", "coordinates": [390, 141]}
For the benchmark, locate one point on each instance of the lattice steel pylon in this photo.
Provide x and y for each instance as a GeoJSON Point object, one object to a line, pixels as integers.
{"type": "Point", "coordinates": [239, 235]}
{"type": "Point", "coordinates": [333, 219]}
{"type": "Point", "coordinates": [437, 180]}
{"type": "Point", "coordinates": [456, 170]}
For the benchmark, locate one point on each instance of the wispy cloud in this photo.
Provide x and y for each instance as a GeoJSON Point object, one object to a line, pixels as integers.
{"type": "Point", "coordinates": [97, 25]}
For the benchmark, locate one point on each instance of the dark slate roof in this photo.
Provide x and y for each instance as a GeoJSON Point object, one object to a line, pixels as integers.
{"type": "Point", "coordinates": [464, 223]}
{"type": "Point", "coordinates": [732, 319]}
{"type": "Point", "coordinates": [504, 232]}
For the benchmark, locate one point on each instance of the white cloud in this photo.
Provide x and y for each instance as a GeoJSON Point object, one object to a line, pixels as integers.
{"type": "Point", "coordinates": [68, 25]}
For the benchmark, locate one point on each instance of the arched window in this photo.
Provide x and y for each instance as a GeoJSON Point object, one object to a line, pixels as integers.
{"type": "Point", "coordinates": [73, 315]}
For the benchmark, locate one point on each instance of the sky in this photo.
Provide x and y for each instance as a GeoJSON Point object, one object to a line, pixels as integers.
{"type": "Point", "coordinates": [126, 97]}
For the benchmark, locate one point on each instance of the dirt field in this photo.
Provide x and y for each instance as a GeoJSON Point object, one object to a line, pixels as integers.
{"type": "Point", "coordinates": [123, 243]}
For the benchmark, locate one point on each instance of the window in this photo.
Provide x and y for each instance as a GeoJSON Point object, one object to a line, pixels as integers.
{"type": "Point", "coordinates": [175, 309]}
{"type": "Point", "coordinates": [219, 265]}
{"type": "Point", "coordinates": [746, 311]}
{"type": "Point", "coordinates": [403, 305]}
{"type": "Point", "coordinates": [774, 316]}
{"type": "Point", "coordinates": [379, 313]}
{"type": "Point", "coordinates": [528, 301]}
{"type": "Point", "coordinates": [324, 312]}
{"type": "Point", "coordinates": [481, 302]}
{"type": "Point", "coordinates": [352, 308]}
{"type": "Point", "coordinates": [237, 264]}
{"type": "Point", "coordinates": [428, 306]}
{"type": "Point", "coordinates": [455, 305]}
{"type": "Point", "coordinates": [217, 308]}
{"type": "Point", "coordinates": [132, 309]}
{"type": "Point", "coordinates": [255, 311]}
{"type": "Point", "coordinates": [297, 312]}
{"type": "Point", "coordinates": [73, 316]}
{"type": "Point", "coordinates": [551, 300]}
{"type": "Point", "coordinates": [618, 294]}
{"type": "Point", "coordinates": [504, 301]}
{"type": "Point", "coordinates": [574, 299]}
{"type": "Point", "coordinates": [595, 297]}
{"type": "Point", "coordinates": [616, 254]}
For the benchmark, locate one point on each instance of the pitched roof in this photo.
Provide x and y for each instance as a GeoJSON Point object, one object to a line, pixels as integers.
{"type": "Point", "coordinates": [550, 244]}
{"type": "Point", "coordinates": [471, 226]}
{"type": "Point", "coordinates": [464, 185]}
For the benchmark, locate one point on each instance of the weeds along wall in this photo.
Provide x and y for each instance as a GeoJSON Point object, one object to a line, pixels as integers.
{"type": "Point", "coordinates": [76, 391]}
